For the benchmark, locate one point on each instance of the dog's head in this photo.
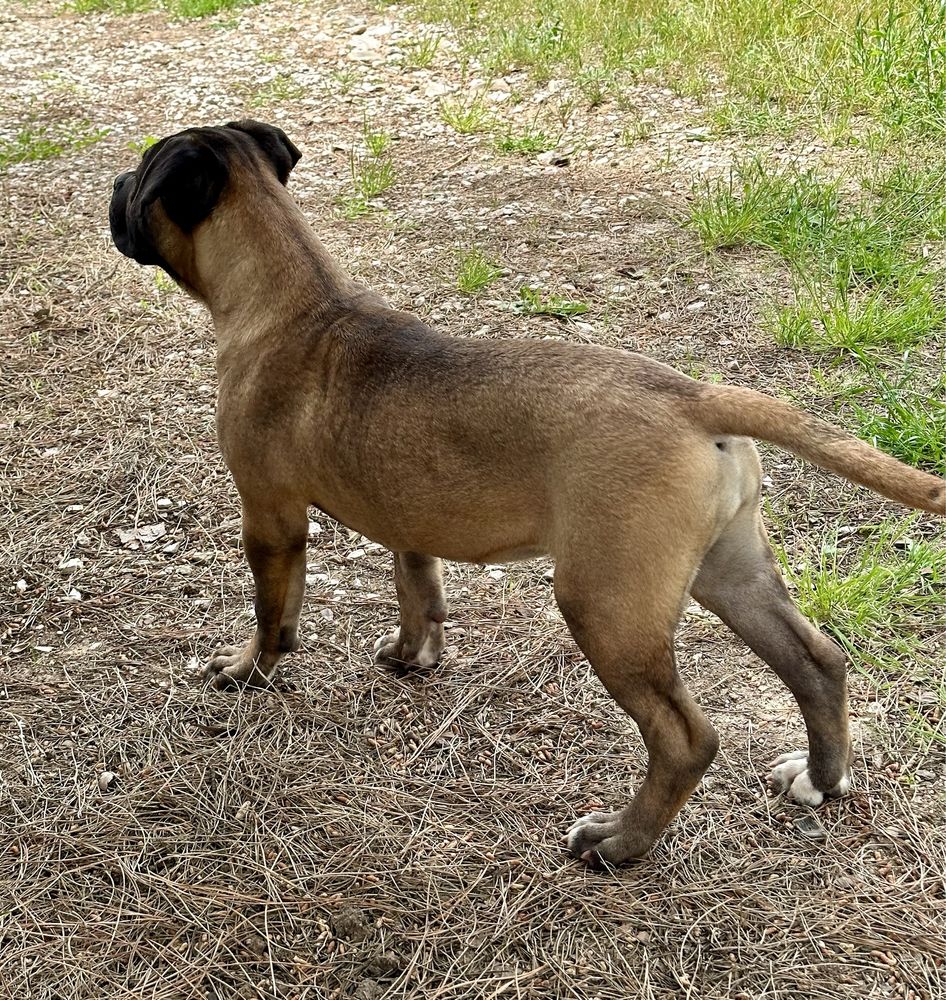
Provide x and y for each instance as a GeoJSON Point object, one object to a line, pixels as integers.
{"type": "Point", "coordinates": [156, 209]}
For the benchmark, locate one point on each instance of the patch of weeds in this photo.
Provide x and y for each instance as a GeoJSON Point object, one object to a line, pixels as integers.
{"type": "Point", "coordinates": [690, 82]}
{"type": "Point", "coordinates": [865, 324]}
{"type": "Point", "coordinates": [564, 109]}
{"type": "Point", "coordinates": [913, 194]}
{"type": "Point", "coordinates": [420, 53]}
{"type": "Point", "coordinates": [737, 115]}
{"type": "Point", "coordinates": [476, 272]}
{"type": "Point", "coordinates": [533, 303]}
{"type": "Point", "coordinates": [782, 209]}
{"type": "Point", "coordinates": [372, 173]}
{"type": "Point", "coordinates": [864, 284]}
{"type": "Point", "coordinates": [636, 130]}
{"type": "Point", "coordinates": [110, 6]}
{"type": "Point", "coordinates": [899, 53]}
{"type": "Point", "coordinates": [875, 601]}
{"type": "Point", "coordinates": [376, 143]}
{"type": "Point", "coordinates": [39, 142]}
{"type": "Point", "coordinates": [345, 79]}
{"type": "Point", "coordinates": [526, 143]}
{"type": "Point", "coordinates": [204, 8]}
{"type": "Point", "coordinates": [371, 176]}
{"type": "Point", "coordinates": [594, 85]}
{"type": "Point", "coordinates": [282, 87]}
{"type": "Point", "coordinates": [466, 116]}
{"type": "Point", "coordinates": [535, 43]}
{"type": "Point", "coordinates": [885, 61]}
{"type": "Point", "coordinates": [177, 8]}
{"type": "Point", "coordinates": [140, 146]}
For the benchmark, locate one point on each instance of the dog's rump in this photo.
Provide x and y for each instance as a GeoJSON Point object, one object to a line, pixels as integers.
{"type": "Point", "coordinates": [724, 409]}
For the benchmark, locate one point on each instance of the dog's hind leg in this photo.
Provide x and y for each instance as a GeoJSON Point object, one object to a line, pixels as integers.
{"type": "Point", "coordinates": [622, 614]}
{"type": "Point", "coordinates": [419, 640]}
{"type": "Point", "coordinates": [739, 581]}
{"type": "Point", "coordinates": [275, 545]}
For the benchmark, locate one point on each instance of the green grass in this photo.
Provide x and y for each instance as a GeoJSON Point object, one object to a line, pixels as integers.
{"type": "Point", "coordinates": [376, 143]}
{"type": "Point", "coordinates": [533, 303]}
{"type": "Point", "coordinates": [41, 142]}
{"type": "Point", "coordinates": [862, 283]}
{"type": "Point", "coordinates": [476, 272]}
{"type": "Point", "coordinates": [177, 8]}
{"type": "Point", "coordinates": [419, 53]}
{"type": "Point", "coordinates": [834, 61]}
{"type": "Point", "coordinates": [466, 116]}
{"type": "Point", "coordinates": [526, 142]}
{"type": "Point", "coordinates": [282, 87]}
{"type": "Point", "coordinates": [878, 598]}
{"type": "Point", "coordinates": [908, 424]}
{"type": "Point", "coordinates": [901, 409]}
{"type": "Point", "coordinates": [141, 146]}
{"type": "Point", "coordinates": [371, 176]}
{"type": "Point", "coordinates": [372, 173]}
{"type": "Point", "coordinates": [865, 324]}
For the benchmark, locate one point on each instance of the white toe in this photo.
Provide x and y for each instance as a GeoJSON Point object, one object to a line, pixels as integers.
{"type": "Point", "coordinates": [804, 791]}
{"type": "Point", "coordinates": [786, 772]}
{"type": "Point", "coordinates": [389, 637]}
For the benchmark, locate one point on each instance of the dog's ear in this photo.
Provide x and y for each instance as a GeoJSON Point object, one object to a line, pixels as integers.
{"type": "Point", "coordinates": [187, 175]}
{"type": "Point", "coordinates": [278, 147]}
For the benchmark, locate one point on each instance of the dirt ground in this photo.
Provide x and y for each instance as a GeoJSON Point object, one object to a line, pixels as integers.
{"type": "Point", "coordinates": [352, 834]}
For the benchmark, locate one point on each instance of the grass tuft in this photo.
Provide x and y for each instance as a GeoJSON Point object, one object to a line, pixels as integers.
{"type": "Point", "coordinates": [282, 87]}
{"type": "Point", "coordinates": [476, 272]}
{"type": "Point", "coordinates": [903, 415]}
{"type": "Point", "coordinates": [864, 283]}
{"type": "Point", "coordinates": [420, 53]}
{"type": "Point", "coordinates": [466, 116]}
{"type": "Point", "coordinates": [865, 324]}
{"type": "Point", "coordinates": [525, 143]}
{"type": "Point", "coordinates": [372, 173]}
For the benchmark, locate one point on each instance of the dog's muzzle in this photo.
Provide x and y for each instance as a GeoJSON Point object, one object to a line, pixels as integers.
{"type": "Point", "coordinates": [118, 212]}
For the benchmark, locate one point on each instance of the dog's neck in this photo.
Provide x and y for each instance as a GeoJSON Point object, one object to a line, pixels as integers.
{"type": "Point", "coordinates": [264, 265]}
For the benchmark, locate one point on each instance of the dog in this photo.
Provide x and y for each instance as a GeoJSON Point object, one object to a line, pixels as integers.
{"type": "Point", "coordinates": [642, 484]}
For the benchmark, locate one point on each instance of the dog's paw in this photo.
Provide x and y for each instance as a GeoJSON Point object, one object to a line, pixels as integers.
{"type": "Point", "coordinates": [235, 666]}
{"type": "Point", "coordinates": [790, 775]}
{"type": "Point", "coordinates": [393, 651]}
{"type": "Point", "coordinates": [602, 837]}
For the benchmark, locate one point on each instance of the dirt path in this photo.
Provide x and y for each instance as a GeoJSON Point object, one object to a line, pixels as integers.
{"type": "Point", "coordinates": [352, 835]}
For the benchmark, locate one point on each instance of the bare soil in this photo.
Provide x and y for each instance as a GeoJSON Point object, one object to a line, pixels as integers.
{"type": "Point", "coordinates": [352, 834]}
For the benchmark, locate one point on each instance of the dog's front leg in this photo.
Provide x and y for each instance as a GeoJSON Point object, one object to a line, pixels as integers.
{"type": "Point", "coordinates": [419, 640]}
{"type": "Point", "coordinates": [275, 544]}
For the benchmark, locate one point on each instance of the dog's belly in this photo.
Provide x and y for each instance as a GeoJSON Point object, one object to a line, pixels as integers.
{"type": "Point", "coordinates": [459, 535]}
{"type": "Point", "coordinates": [459, 546]}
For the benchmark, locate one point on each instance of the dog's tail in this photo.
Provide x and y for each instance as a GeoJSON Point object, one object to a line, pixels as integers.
{"type": "Point", "coordinates": [735, 410]}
